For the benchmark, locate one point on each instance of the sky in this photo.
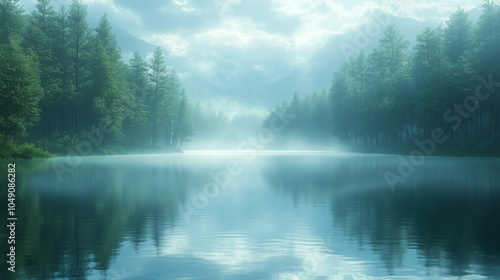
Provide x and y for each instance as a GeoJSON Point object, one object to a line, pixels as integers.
{"type": "Point", "coordinates": [289, 26]}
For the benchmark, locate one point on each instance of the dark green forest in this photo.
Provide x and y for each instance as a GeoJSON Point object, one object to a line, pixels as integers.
{"type": "Point", "coordinates": [394, 99]}
{"type": "Point", "coordinates": [64, 84]}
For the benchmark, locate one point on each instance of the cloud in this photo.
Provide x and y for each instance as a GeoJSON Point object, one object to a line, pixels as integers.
{"type": "Point", "coordinates": [296, 27]}
{"type": "Point", "coordinates": [177, 45]}
{"type": "Point", "coordinates": [428, 10]}
{"type": "Point", "coordinates": [171, 16]}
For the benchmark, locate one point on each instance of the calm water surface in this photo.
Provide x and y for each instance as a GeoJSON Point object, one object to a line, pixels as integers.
{"type": "Point", "coordinates": [281, 216]}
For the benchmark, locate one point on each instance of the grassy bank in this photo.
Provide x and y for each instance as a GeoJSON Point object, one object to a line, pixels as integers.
{"type": "Point", "coordinates": [9, 149]}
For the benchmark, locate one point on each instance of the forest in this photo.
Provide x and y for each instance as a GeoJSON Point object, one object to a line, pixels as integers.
{"type": "Point", "coordinates": [393, 98]}
{"type": "Point", "coordinates": [64, 84]}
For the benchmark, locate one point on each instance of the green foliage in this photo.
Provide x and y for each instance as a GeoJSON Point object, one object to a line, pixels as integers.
{"type": "Point", "coordinates": [20, 91]}
{"type": "Point", "coordinates": [11, 21]}
{"type": "Point", "coordinates": [457, 35]}
{"type": "Point", "coordinates": [488, 147]}
{"type": "Point", "coordinates": [29, 151]}
{"type": "Point", "coordinates": [58, 143]}
{"type": "Point", "coordinates": [308, 121]}
{"type": "Point", "coordinates": [389, 98]}
{"type": "Point", "coordinates": [9, 149]}
{"type": "Point", "coordinates": [68, 79]}
{"type": "Point", "coordinates": [79, 33]}
{"type": "Point", "coordinates": [389, 57]}
{"type": "Point", "coordinates": [58, 73]}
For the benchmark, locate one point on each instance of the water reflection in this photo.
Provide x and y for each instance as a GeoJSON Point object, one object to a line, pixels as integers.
{"type": "Point", "coordinates": [447, 212]}
{"type": "Point", "coordinates": [300, 216]}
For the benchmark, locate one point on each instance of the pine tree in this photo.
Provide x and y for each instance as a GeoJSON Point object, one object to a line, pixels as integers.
{"type": "Point", "coordinates": [488, 61]}
{"type": "Point", "coordinates": [11, 21]}
{"type": "Point", "coordinates": [104, 33]}
{"type": "Point", "coordinates": [66, 96]}
{"type": "Point", "coordinates": [79, 34]}
{"type": "Point", "coordinates": [429, 69]}
{"type": "Point", "coordinates": [390, 55]}
{"type": "Point", "coordinates": [158, 79]}
{"type": "Point", "coordinates": [138, 75]}
{"type": "Point", "coordinates": [358, 72]}
{"type": "Point", "coordinates": [44, 16]}
{"type": "Point", "coordinates": [340, 96]}
{"type": "Point", "coordinates": [20, 91]}
{"type": "Point", "coordinates": [43, 25]}
{"type": "Point", "coordinates": [457, 35]}
{"type": "Point", "coordinates": [183, 124]}
{"type": "Point", "coordinates": [136, 122]}
{"type": "Point", "coordinates": [109, 90]}
{"type": "Point", "coordinates": [168, 103]}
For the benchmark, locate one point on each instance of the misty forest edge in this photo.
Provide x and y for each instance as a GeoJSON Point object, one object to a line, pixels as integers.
{"type": "Point", "coordinates": [63, 83]}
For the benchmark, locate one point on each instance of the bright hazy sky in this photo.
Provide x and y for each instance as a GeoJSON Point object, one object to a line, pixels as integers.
{"type": "Point", "coordinates": [183, 26]}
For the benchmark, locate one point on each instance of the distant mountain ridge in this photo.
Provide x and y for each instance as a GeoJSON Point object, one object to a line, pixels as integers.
{"type": "Point", "coordinates": [129, 44]}
{"type": "Point", "coordinates": [236, 76]}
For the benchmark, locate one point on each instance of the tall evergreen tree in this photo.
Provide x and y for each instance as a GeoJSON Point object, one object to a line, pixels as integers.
{"type": "Point", "coordinates": [109, 91]}
{"type": "Point", "coordinates": [168, 105]}
{"type": "Point", "coordinates": [429, 69]}
{"type": "Point", "coordinates": [44, 16]}
{"type": "Point", "coordinates": [20, 91]}
{"type": "Point", "coordinates": [79, 33]}
{"type": "Point", "coordinates": [457, 35]}
{"type": "Point", "coordinates": [136, 122]}
{"type": "Point", "coordinates": [158, 79]}
{"type": "Point", "coordinates": [66, 97]}
{"type": "Point", "coordinates": [11, 20]}
{"type": "Point", "coordinates": [390, 55]}
{"type": "Point", "coordinates": [387, 62]}
{"type": "Point", "coordinates": [104, 33]}
{"type": "Point", "coordinates": [358, 71]}
{"type": "Point", "coordinates": [138, 75]}
{"type": "Point", "coordinates": [183, 129]}
{"type": "Point", "coordinates": [78, 43]}
{"type": "Point", "coordinates": [340, 94]}
{"type": "Point", "coordinates": [43, 26]}
{"type": "Point", "coordinates": [488, 61]}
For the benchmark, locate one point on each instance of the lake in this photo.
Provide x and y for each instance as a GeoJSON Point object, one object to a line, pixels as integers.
{"type": "Point", "coordinates": [272, 215]}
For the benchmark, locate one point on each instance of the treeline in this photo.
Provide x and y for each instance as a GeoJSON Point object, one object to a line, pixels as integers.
{"type": "Point", "coordinates": [70, 80]}
{"type": "Point", "coordinates": [307, 122]}
{"type": "Point", "coordinates": [447, 85]}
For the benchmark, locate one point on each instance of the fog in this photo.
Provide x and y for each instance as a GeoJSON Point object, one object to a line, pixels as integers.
{"type": "Point", "coordinates": [250, 139]}
{"type": "Point", "coordinates": [294, 75]}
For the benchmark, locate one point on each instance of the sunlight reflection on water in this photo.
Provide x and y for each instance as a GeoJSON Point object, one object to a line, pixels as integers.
{"type": "Point", "coordinates": [300, 215]}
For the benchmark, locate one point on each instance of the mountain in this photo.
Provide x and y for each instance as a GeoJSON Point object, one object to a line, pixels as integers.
{"type": "Point", "coordinates": [318, 72]}
{"type": "Point", "coordinates": [263, 77]}
{"type": "Point", "coordinates": [129, 44]}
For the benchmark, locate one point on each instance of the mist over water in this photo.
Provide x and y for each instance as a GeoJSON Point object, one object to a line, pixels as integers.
{"type": "Point", "coordinates": [286, 214]}
{"type": "Point", "coordinates": [231, 139]}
